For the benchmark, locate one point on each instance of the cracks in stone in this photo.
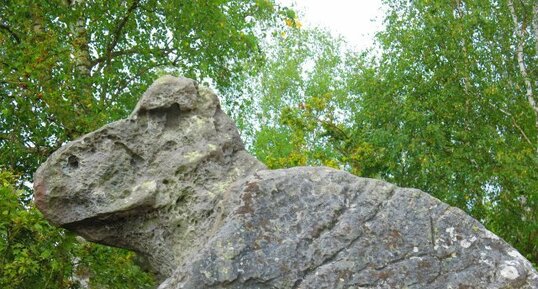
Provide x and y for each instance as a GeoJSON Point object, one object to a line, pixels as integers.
{"type": "Point", "coordinates": [441, 267]}
{"type": "Point", "coordinates": [380, 207]}
{"type": "Point", "coordinates": [496, 266]}
{"type": "Point", "coordinates": [432, 231]}
{"type": "Point", "coordinates": [330, 225]}
{"type": "Point", "coordinates": [441, 214]}
{"type": "Point", "coordinates": [136, 159]}
{"type": "Point", "coordinates": [439, 272]}
{"type": "Point", "coordinates": [252, 282]}
{"type": "Point", "coordinates": [405, 257]}
{"type": "Point", "coordinates": [433, 226]}
{"type": "Point", "coordinates": [366, 285]}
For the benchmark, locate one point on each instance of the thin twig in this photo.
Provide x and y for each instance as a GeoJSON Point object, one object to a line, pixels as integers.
{"type": "Point", "coordinates": [11, 32]}
{"type": "Point", "coordinates": [516, 125]}
{"type": "Point", "coordinates": [117, 32]}
{"type": "Point", "coordinates": [126, 52]}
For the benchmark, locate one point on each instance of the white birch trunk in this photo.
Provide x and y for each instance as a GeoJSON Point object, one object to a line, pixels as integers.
{"type": "Point", "coordinates": [535, 26]}
{"type": "Point", "coordinates": [520, 37]}
{"type": "Point", "coordinates": [81, 44]}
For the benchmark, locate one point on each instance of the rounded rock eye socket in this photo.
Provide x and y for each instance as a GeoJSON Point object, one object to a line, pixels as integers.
{"type": "Point", "coordinates": [72, 161]}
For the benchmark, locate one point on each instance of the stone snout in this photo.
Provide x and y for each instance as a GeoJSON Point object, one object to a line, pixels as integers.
{"type": "Point", "coordinates": [152, 182]}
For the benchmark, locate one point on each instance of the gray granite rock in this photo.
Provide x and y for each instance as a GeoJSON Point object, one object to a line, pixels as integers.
{"type": "Point", "coordinates": [174, 183]}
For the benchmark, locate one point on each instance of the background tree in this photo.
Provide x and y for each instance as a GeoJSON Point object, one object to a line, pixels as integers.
{"type": "Point", "coordinates": [69, 66]}
{"type": "Point", "coordinates": [448, 110]}
{"type": "Point", "coordinates": [446, 104]}
{"type": "Point", "coordinates": [300, 90]}
{"type": "Point", "coordinates": [34, 254]}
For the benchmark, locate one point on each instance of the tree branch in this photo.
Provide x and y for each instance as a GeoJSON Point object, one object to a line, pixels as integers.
{"type": "Point", "coordinates": [112, 54]}
{"type": "Point", "coordinates": [514, 123]}
{"type": "Point", "coordinates": [11, 32]}
{"type": "Point", "coordinates": [117, 32]}
{"type": "Point", "coordinates": [128, 81]}
{"type": "Point", "coordinates": [519, 33]}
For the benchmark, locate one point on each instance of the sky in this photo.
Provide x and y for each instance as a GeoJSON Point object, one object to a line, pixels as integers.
{"type": "Point", "coordinates": [356, 20]}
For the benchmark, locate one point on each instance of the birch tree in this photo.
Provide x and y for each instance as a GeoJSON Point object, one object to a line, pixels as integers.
{"type": "Point", "coordinates": [450, 107]}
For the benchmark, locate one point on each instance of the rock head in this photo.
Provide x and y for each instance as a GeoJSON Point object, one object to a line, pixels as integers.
{"type": "Point", "coordinates": [174, 183]}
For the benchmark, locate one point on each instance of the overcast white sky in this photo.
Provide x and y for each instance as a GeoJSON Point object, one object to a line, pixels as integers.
{"type": "Point", "coordinates": [356, 20]}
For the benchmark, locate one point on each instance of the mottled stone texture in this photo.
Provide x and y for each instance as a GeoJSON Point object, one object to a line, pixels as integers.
{"type": "Point", "coordinates": [154, 182]}
{"type": "Point", "coordinates": [174, 183]}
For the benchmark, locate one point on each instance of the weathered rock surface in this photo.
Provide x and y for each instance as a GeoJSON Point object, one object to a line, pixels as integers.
{"type": "Point", "coordinates": [152, 183]}
{"type": "Point", "coordinates": [174, 183]}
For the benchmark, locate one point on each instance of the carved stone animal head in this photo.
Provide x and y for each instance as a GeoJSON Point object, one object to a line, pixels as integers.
{"type": "Point", "coordinates": [153, 182]}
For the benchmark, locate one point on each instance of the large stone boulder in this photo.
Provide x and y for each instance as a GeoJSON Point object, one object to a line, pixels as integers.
{"type": "Point", "coordinates": [174, 183]}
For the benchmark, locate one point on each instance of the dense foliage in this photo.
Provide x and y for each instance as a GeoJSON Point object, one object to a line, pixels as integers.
{"type": "Point", "coordinates": [450, 102]}
{"type": "Point", "coordinates": [445, 103]}
{"type": "Point", "coordinates": [34, 254]}
{"type": "Point", "coordinates": [69, 66]}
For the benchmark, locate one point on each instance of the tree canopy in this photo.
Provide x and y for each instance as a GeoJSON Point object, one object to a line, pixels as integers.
{"type": "Point", "coordinates": [69, 66]}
